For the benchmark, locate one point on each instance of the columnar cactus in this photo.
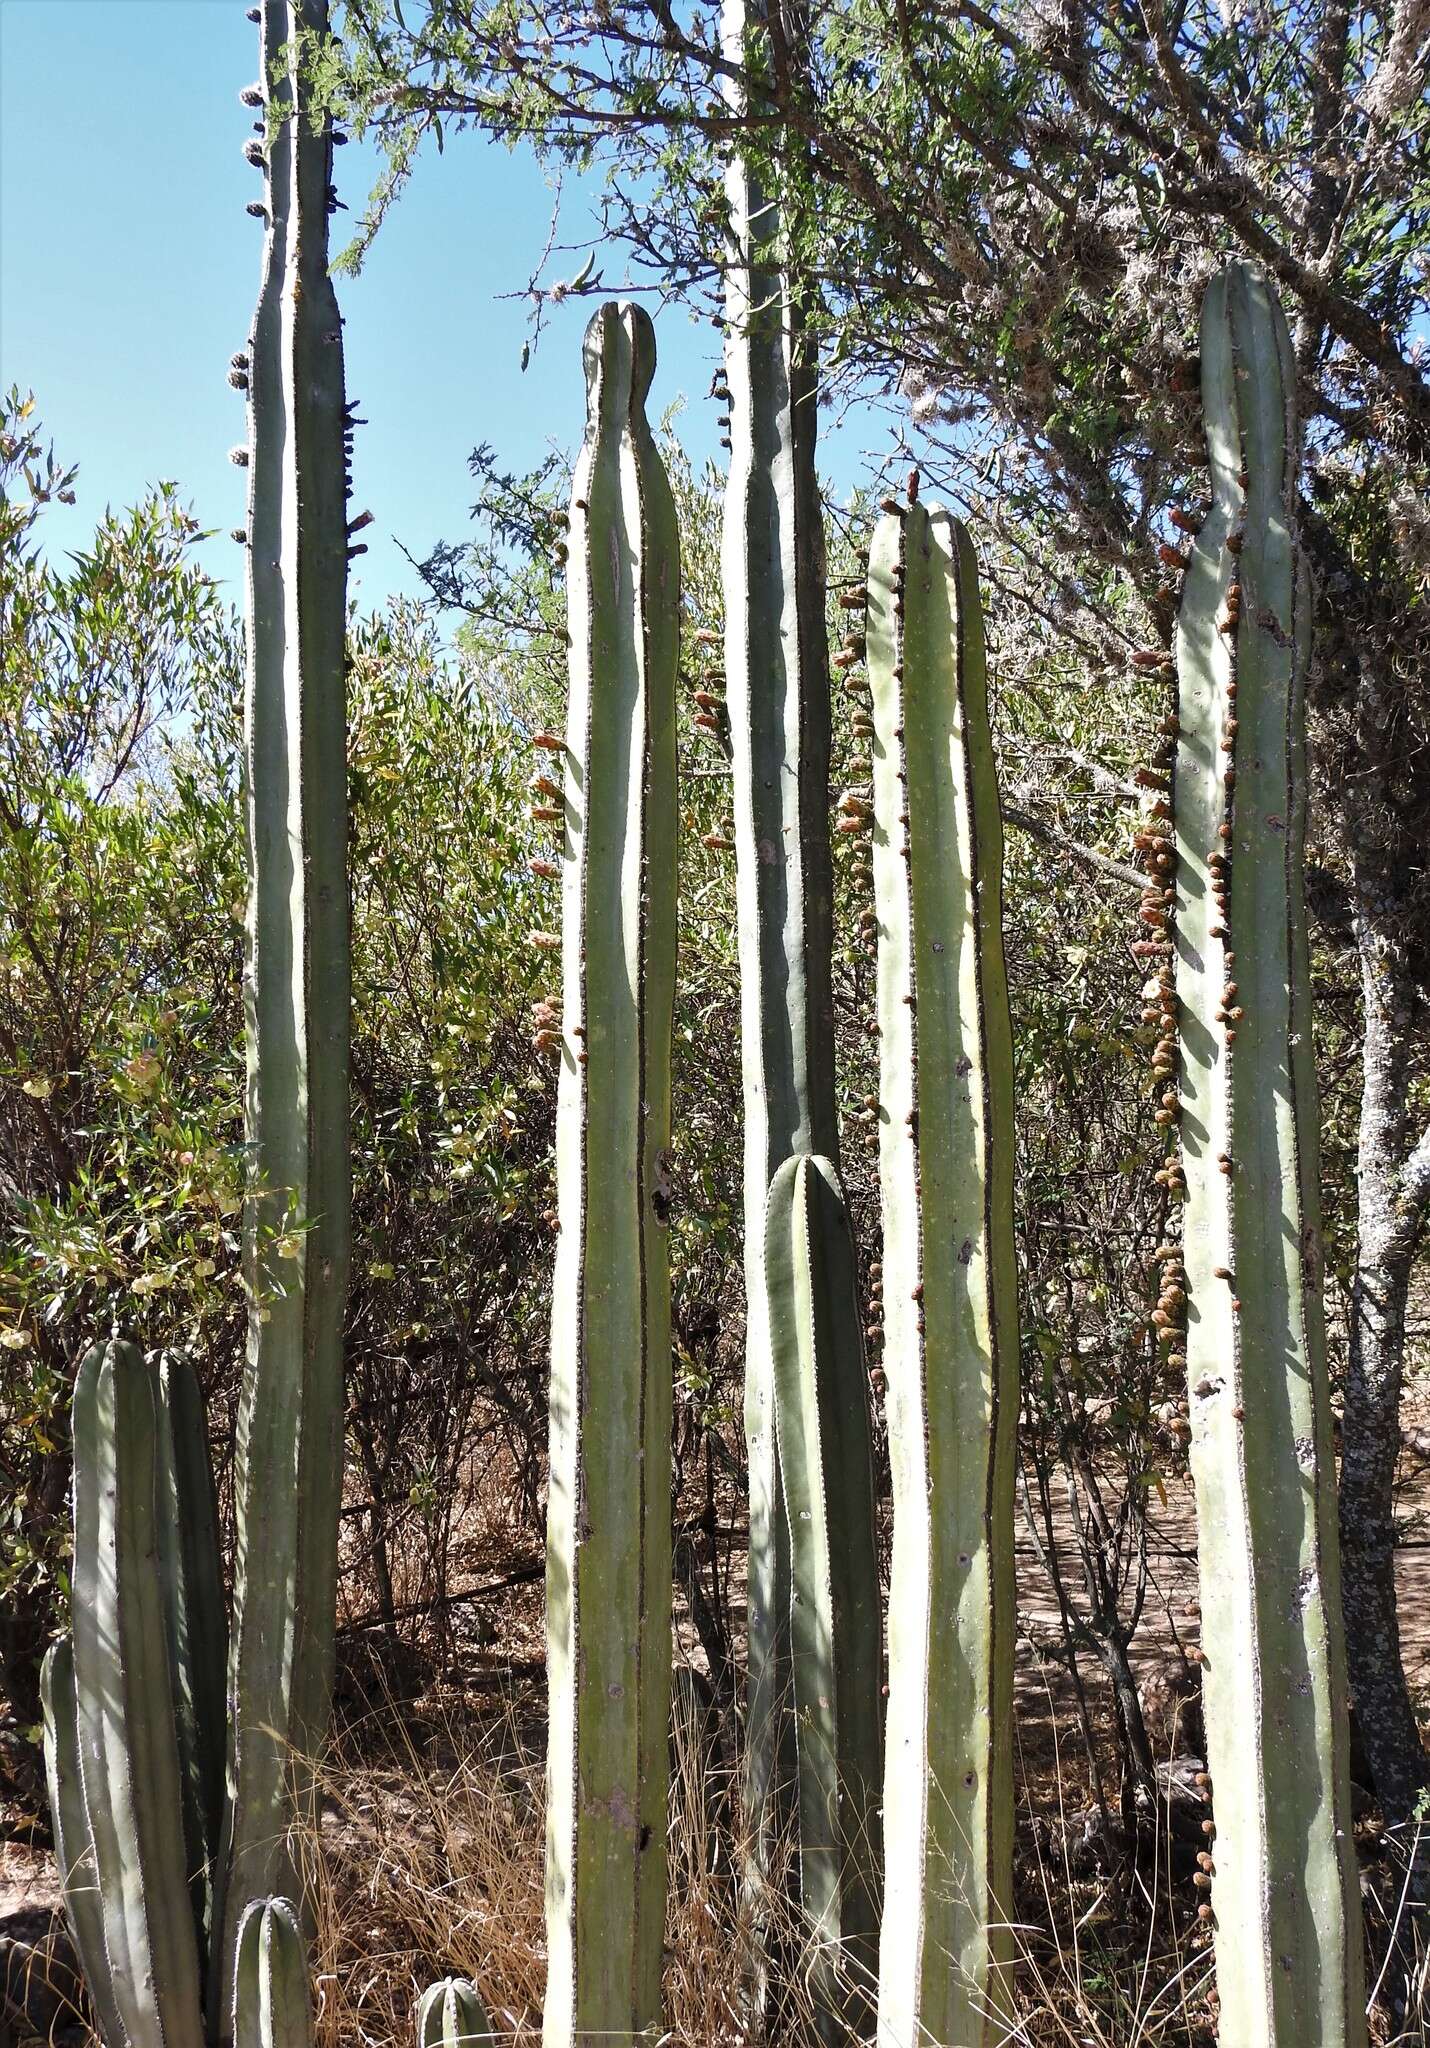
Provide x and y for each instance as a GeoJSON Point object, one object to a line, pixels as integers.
{"type": "Point", "coordinates": [949, 1288]}
{"type": "Point", "coordinates": [289, 1465]}
{"type": "Point", "coordinates": [124, 1751]}
{"type": "Point", "coordinates": [608, 1519]}
{"type": "Point", "coordinates": [826, 1468]}
{"type": "Point", "coordinates": [777, 675]}
{"type": "Point", "coordinates": [451, 2015]}
{"type": "Point", "coordinates": [272, 2007]}
{"type": "Point", "coordinates": [1283, 1886]}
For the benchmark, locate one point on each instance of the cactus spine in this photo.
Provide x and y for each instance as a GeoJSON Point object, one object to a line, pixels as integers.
{"type": "Point", "coordinates": [451, 2015]}
{"type": "Point", "coordinates": [289, 1463]}
{"type": "Point", "coordinates": [826, 1468]}
{"type": "Point", "coordinates": [777, 672]}
{"type": "Point", "coordinates": [271, 2004]}
{"type": "Point", "coordinates": [950, 1291]}
{"type": "Point", "coordinates": [608, 1520]}
{"type": "Point", "coordinates": [1284, 1884]}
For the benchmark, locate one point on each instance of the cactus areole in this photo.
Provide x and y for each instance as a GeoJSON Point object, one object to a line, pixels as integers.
{"type": "Point", "coordinates": [608, 1518]}
{"type": "Point", "coordinates": [296, 987]}
{"type": "Point", "coordinates": [1284, 1889]}
{"type": "Point", "coordinates": [946, 1145]}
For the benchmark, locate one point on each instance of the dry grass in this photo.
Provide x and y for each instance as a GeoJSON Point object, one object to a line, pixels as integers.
{"type": "Point", "coordinates": [431, 1862]}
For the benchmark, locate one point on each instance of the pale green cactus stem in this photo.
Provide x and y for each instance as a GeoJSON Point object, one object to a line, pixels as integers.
{"type": "Point", "coordinates": [134, 1706]}
{"type": "Point", "coordinates": [608, 1519]}
{"type": "Point", "coordinates": [822, 1425]}
{"type": "Point", "coordinates": [74, 1843]}
{"type": "Point", "coordinates": [1283, 1870]}
{"type": "Point", "coordinates": [131, 1787]}
{"type": "Point", "coordinates": [946, 1147]}
{"type": "Point", "coordinates": [451, 2015]}
{"type": "Point", "coordinates": [777, 676]}
{"type": "Point", "coordinates": [289, 1462]}
{"type": "Point", "coordinates": [272, 2004]}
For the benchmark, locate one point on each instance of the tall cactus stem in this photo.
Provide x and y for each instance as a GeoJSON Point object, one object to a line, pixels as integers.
{"type": "Point", "coordinates": [451, 2015]}
{"type": "Point", "coordinates": [822, 1426]}
{"type": "Point", "coordinates": [1284, 1884]}
{"type": "Point", "coordinates": [129, 1766]}
{"type": "Point", "coordinates": [946, 1146]}
{"type": "Point", "coordinates": [777, 668]}
{"type": "Point", "coordinates": [272, 2006]}
{"type": "Point", "coordinates": [608, 1520]}
{"type": "Point", "coordinates": [289, 1461]}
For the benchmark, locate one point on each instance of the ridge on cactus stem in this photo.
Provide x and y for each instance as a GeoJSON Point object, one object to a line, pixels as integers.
{"type": "Point", "coordinates": [949, 1281]}
{"type": "Point", "coordinates": [1282, 1881]}
{"type": "Point", "coordinates": [778, 701]}
{"type": "Point", "coordinates": [608, 1518]}
{"type": "Point", "coordinates": [296, 989]}
{"type": "Point", "coordinates": [826, 1469]}
{"type": "Point", "coordinates": [272, 2004]}
{"type": "Point", "coordinates": [451, 2015]}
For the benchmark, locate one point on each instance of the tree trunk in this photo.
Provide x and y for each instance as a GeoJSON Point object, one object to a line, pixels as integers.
{"type": "Point", "coordinates": [1392, 1185]}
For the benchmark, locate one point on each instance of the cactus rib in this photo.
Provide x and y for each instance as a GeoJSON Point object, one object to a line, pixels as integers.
{"type": "Point", "coordinates": [777, 670]}
{"type": "Point", "coordinates": [608, 1523]}
{"type": "Point", "coordinates": [822, 1428]}
{"type": "Point", "coordinates": [950, 1291]}
{"type": "Point", "coordinates": [451, 2015]}
{"type": "Point", "coordinates": [1285, 1891]}
{"type": "Point", "coordinates": [288, 1471]}
{"type": "Point", "coordinates": [272, 2007]}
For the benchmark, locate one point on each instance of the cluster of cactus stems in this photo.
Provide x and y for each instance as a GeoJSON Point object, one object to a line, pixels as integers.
{"type": "Point", "coordinates": [1281, 1879]}
{"type": "Point", "coordinates": [949, 1285]}
{"type": "Point", "coordinates": [608, 1518]}
{"type": "Point", "coordinates": [451, 2015]}
{"type": "Point", "coordinates": [172, 1798]}
{"type": "Point", "coordinates": [172, 1793]}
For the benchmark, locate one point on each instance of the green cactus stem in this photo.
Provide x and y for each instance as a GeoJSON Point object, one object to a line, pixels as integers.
{"type": "Point", "coordinates": [946, 1147]}
{"type": "Point", "coordinates": [1284, 1886]}
{"type": "Point", "coordinates": [272, 2005]}
{"type": "Point", "coordinates": [289, 1462]}
{"type": "Point", "coordinates": [451, 2015]}
{"type": "Point", "coordinates": [191, 1568]}
{"type": "Point", "coordinates": [74, 1844]}
{"type": "Point", "coordinates": [131, 1785]}
{"type": "Point", "coordinates": [826, 1466]}
{"type": "Point", "coordinates": [608, 1519]}
{"type": "Point", "coordinates": [777, 671]}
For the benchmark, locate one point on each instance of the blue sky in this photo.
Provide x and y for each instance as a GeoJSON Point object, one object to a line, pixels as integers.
{"type": "Point", "coordinates": [128, 269]}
